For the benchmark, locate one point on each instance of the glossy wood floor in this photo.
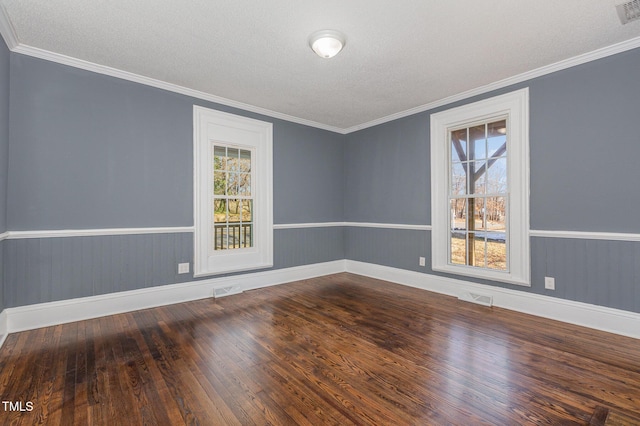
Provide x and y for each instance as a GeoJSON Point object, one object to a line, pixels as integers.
{"type": "Point", "coordinates": [336, 350]}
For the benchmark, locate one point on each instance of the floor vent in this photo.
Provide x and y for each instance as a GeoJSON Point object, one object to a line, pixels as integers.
{"type": "Point", "coordinates": [227, 291]}
{"type": "Point", "coordinates": [480, 299]}
{"type": "Point", "coordinates": [629, 11]}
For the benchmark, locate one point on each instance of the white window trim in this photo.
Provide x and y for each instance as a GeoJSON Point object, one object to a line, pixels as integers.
{"type": "Point", "coordinates": [226, 129]}
{"type": "Point", "coordinates": [515, 106]}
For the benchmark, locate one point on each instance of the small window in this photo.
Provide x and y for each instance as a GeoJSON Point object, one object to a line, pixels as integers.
{"type": "Point", "coordinates": [480, 190]}
{"type": "Point", "coordinates": [232, 193]}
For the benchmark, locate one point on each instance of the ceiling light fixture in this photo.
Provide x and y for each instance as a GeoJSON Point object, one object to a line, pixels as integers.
{"type": "Point", "coordinates": [327, 43]}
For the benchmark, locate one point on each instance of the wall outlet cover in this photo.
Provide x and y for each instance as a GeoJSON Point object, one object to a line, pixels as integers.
{"type": "Point", "coordinates": [183, 268]}
{"type": "Point", "coordinates": [549, 283]}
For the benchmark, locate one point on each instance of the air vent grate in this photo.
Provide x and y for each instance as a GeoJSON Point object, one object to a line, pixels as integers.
{"type": "Point", "coordinates": [480, 299]}
{"type": "Point", "coordinates": [227, 291]}
{"type": "Point", "coordinates": [629, 11]}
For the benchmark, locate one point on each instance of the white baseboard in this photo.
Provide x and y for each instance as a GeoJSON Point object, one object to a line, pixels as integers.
{"type": "Point", "coordinates": [610, 320]}
{"type": "Point", "coordinates": [52, 313]}
{"type": "Point", "coordinates": [4, 330]}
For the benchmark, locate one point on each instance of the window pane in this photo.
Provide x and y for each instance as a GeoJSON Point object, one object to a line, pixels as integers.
{"type": "Point", "coordinates": [247, 211]}
{"type": "Point", "coordinates": [219, 158]}
{"type": "Point", "coordinates": [479, 187]}
{"type": "Point", "coordinates": [479, 214]}
{"type": "Point", "coordinates": [458, 179]}
{"type": "Point", "coordinates": [219, 210]}
{"type": "Point", "coordinates": [459, 145]}
{"type": "Point", "coordinates": [497, 177]}
{"type": "Point", "coordinates": [234, 210]}
{"type": "Point", "coordinates": [219, 183]}
{"type": "Point", "coordinates": [246, 237]}
{"type": "Point", "coordinates": [479, 246]}
{"type": "Point", "coordinates": [232, 184]}
{"type": "Point", "coordinates": [458, 248]}
{"type": "Point", "coordinates": [220, 237]}
{"type": "Point", "coordinates": [245, 161]}
{"type": "Point", "coordinates": [496, 214]}
{"type": "Point", "coordinates": [244, 184]}
{"type": "Point", "coordinates": [497, 128]}
{"type": "Point", "coordinates": [496, 251]}
{"type": "Point", "coordinates": [459, 214]}
{"type": "Point", "coordinates": [497, 137]}
{"type": "Point", "coordinates": [477, 149]}
{"type": "Point", "coordinates": [233, 156]}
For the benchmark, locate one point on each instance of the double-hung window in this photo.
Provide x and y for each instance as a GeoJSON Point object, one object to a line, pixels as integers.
{"type": "Point", "coordinates": [480, 189]}
{"type": "Point", "coordinates": [233, 193]}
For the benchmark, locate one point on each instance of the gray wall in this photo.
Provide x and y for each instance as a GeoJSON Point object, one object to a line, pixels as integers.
{"type": "Point", "coordinates": [91, 151]}
{"type": "Point", "coordinates": [584, 148]}
{"type": "Point", "coordinates": [88, 151]}
{"type": "Point", "coordinates": [4, 154]}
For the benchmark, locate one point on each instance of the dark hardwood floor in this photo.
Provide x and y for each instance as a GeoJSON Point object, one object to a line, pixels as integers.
{"type": "Point", "coordinates": [336, 350]}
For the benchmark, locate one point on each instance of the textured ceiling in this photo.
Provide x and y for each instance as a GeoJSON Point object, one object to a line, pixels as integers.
{"type": "Point", "coordinates": [399, 55]}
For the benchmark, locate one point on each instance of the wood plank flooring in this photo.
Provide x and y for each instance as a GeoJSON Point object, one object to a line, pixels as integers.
{"type": "Point", "coordinates": [335, 350]}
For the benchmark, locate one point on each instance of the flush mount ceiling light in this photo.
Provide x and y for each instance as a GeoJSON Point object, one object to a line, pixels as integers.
{"type": "Point", "coordinates": [326, 43]}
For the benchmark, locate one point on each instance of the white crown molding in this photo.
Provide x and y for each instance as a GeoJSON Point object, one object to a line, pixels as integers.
{"type": "Point", "coordinates": [148, 81]}
{"type": "Point", "coordinates": [8, 33]}
{"type": "Point", "coordinates": [52, 313]}
{"type": "Point", "coordinates": [581, 235]}
{"type": "Point", "coordinates": [6, 29]}
{"type": "Point", "coordinates": [62, 233]}
{"type": "Point", "coordinates": [538, 72]}
{"type": "Point", "coordinates": [601, 318]}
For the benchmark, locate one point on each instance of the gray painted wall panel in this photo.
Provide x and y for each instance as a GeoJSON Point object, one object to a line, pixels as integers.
{"type": "Point", "coordinates": [585, 146]}
{"type": "Point", "coordinates": [397, 248]}
{"type": "Point", "coordinates": [308, 169]}
{"type": "Point", "coordinates": [50, 269]}
{"type": "Point", "coordinates": [4, 136]}
{"type": "Point", "coordinates": [4, 154]}
{"type": "Point", "coordinates": [295, 247]}
{"type": "Point", "coordinates": [2, 267]}
{"type": "Point", "coordinates": [387, 173]}
{"type": "Point", "coordinates": [92, 151]}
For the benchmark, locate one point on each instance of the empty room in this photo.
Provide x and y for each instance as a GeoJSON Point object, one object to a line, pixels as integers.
{"type": "Point", "coordinates": [309, 213]}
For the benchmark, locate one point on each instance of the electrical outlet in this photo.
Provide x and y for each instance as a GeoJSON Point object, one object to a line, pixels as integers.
{"type": "Point", "coordinates": [183, 268]}
{"type": "Point", "coordinates": [549, 283]}
{"type": "Point", "coordinates": [422, 261]}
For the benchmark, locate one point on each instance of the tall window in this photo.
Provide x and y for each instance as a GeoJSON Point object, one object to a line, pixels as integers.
{"type": "Point", "coordinates": [478, 196]}
{"type": "Point", "coordinates": [480, 189]}
{"type": "Point", "coordinates": [232, 198]}
{"type": "Point", "coordinates": [232, 193]}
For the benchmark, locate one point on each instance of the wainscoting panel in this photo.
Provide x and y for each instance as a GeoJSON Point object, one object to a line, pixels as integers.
{"type": "Point", "coordinates": [599, 272]}
{"type": "Point", "coordinates": [39, 270]}
{"type": "Point", "coordinates": [304, 246]}
{"type": "Point", "coordinates": [398, 248]}
{"type": "Point", "coordinates": [49, 269]}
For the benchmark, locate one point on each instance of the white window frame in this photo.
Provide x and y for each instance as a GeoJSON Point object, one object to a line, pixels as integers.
{"type": "Point", "coordinates": [215, 127]}
{"type": "Point", "coordinates": [514, 106]}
